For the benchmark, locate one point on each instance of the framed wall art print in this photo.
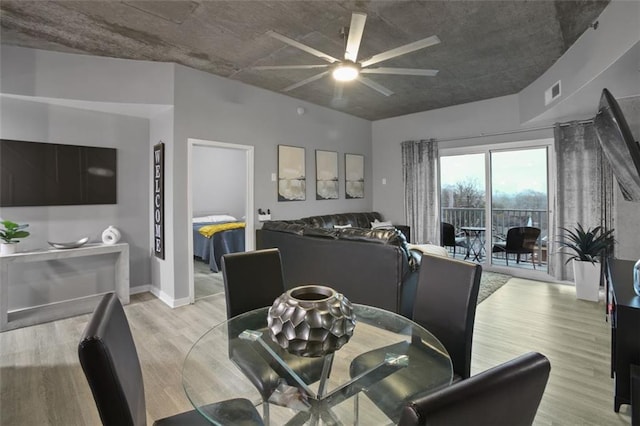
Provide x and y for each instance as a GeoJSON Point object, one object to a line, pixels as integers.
{"type": "Point", "coordinates": [291, 174]}
{"type": "Point", "coordinates": [354, 175]}
{"type": "Point", "coordinates": [326, 175]}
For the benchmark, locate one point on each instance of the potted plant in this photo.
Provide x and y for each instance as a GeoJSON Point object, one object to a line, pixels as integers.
{"type": "Point", "coordinates": [587, 246]}
{"type": "Point", "coordinates": [9, 233]}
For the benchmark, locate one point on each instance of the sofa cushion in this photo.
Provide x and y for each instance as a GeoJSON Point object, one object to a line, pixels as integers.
{"type": "Point", "coordinates": [380, 236]}
{"type": "Point", "coordinates": [283, 226]}
{"type": "Point", "coordinates": [321, 232]}
{"type": "Point", "coordinates": [358, 220]}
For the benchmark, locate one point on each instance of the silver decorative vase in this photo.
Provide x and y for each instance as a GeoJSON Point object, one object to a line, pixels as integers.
{"type": "Point", "coordinates": [311, 320]}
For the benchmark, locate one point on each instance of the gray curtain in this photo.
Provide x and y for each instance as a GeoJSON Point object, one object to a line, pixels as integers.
{"type": "Point", "coordinates": [584, 188]}
{"type": "Point", "coordinates": [420, 178]}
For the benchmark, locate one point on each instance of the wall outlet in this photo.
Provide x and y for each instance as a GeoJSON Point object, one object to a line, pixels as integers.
{"type": "Point", "coordinates": [264, 217]}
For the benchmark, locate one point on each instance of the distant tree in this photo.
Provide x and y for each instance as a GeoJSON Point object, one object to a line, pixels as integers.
{"type": "Point", "coordinates": [468, 193]}
{"type": "Point", "coordinates": [530, 199]}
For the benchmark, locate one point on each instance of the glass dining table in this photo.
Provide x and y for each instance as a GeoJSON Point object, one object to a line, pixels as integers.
{"type": "Point", "coordinates": [212, 373]}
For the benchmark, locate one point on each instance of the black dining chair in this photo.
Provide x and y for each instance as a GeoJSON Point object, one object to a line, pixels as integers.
{"type": "Point", "coordinates": [508, 394]}
{"type": "Point", "coordinates": [520, 240]}
{"type": "Point", "coordinates": [448, 237]}
{"type": "Point", "coordinates": [445, 304]}
{"type": "Point", "coordinates": [253, 280]}
{"type": "Point", "coordinates": [111, 365]}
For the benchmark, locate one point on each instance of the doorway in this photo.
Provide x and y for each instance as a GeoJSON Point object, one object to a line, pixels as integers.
{"type": "Point", "coordinates": [490, 194]}
{"type": "Point", "coordinates": [219, 188]}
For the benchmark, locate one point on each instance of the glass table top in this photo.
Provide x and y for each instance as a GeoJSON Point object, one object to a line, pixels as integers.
{"type": "Point", "coordinates": [221, 366]}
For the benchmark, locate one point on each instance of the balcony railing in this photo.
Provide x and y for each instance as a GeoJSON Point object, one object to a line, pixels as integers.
{"type": "Point", "coordinates": [502, 220]}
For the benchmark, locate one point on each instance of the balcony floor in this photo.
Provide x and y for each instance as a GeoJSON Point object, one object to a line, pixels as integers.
{"type": "Point", "coordinates": [499, 260]}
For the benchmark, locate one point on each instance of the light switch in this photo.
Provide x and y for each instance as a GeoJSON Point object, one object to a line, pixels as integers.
{"type": "Point", "coordinates": [384, 181]}
{"type": "Point", "coordinates": [273, 177]}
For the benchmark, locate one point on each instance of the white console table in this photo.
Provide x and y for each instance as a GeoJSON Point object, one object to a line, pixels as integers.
{"type": "Point", "coordinates": [65, 308]}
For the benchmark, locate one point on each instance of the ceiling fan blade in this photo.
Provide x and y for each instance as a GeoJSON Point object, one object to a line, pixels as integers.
{"type": "Point", "coordinates": [401, 71]}
{"type": "Point", "coordinates": [288, 67]}
{"type": "Point", "coordinates": [355, 36]}
{"type": "Point", "coordinates": [303, 47]}
{"type": "Point", "coordinates": [402, 50]}
{"type": "Point", "coordinates": [375, 86]}
{"type": "Point", "coordinates": [306, 81]}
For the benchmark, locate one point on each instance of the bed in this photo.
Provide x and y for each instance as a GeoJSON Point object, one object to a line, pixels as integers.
{"type": "Point", "coordinates": [216, 235]}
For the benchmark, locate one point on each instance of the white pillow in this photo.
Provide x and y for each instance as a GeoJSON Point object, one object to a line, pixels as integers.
{"type": "Point", "coordinates": [222, 218]}
{"type": "Point", "coordinates": [378, 224]}
{"type": "Point", "coordinates": [200, 219]}
{"type": "Point", "coordinates": [429, 249]}
{"type": "Point", "coordinates": [214, 218]}
{"type": "Point", "coordinates": [341, 226]}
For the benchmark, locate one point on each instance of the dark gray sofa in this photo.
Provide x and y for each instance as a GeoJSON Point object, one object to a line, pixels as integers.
{"type": "Point", "coordinates": [369, 266]}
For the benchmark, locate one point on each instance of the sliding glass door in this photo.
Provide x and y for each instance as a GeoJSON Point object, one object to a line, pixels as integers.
{"type": "Point", "coordinates": [463, 203]}
{"type": "Point", "coordinates": [497, 202]}
{"type": "Point", "coordinates": [519, 208]}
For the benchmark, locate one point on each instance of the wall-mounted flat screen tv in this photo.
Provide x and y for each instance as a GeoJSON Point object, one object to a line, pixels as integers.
{"type": "Point", "coordinates": [48, 174]}
{"type": "Point", "coordinates": [618, 145]}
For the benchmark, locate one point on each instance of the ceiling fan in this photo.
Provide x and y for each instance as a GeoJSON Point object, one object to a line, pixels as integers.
{"type": "Point", "coordinates": [350, 68]}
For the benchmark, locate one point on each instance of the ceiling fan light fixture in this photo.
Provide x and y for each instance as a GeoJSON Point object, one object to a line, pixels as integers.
{"type": "Point", "coordinates": [347, 71]}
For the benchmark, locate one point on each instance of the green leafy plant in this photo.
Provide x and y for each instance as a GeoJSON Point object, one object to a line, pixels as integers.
{"type": "Point", "coordinates": [11, 230]}
{"type": "Point", "coordinates": [587, 244]}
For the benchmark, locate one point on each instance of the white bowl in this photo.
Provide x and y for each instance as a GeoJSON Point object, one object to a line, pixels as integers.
{"type": "Point", "coordinates": [73, 244]}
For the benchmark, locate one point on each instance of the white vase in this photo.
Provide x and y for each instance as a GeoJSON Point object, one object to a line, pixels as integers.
{"type": "Point", "coordinates": [587, 278]}
{"type": "Point", "coordinates": [111, 235]}
{"type": "Point", "coordinates": [7, 248]}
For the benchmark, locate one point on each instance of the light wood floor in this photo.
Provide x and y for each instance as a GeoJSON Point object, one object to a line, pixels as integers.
{"type": "Point", "coordinates": [41, 381]}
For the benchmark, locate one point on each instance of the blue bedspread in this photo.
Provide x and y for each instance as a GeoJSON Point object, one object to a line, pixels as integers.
{"type": "Point", "coordinates": [210, 250]}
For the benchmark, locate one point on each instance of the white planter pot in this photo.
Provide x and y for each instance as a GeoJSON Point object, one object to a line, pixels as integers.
{"type": "Point", "coordinates": [587, 278]}
{"type": "Point", "coordinates": [6, 248]}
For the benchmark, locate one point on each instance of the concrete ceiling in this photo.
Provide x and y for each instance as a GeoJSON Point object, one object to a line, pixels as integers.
{"type": "Point", "coordinates": [487, 49]}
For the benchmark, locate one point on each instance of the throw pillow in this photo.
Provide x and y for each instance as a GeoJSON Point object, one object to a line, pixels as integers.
{"type": "Point", "coordinates": [378, 224]}
{"type": "Point", "coordinates": [341, 226]}
{"type": "Point", "coordinates": [429, 249]}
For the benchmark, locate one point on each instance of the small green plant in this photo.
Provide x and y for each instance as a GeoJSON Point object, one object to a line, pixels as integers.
{"type": "Point", "coordinates": [587, 244]}
{"type": "Point", "coordinates": [11, 230]}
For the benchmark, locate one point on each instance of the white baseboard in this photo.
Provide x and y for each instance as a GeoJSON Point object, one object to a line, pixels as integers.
{"type": "Point", "coordinates": [170, 301]}
{"type": "Point", "coordinates": [140, 289]}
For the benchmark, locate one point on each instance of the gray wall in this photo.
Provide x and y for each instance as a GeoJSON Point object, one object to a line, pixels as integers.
{"type": "Point", "coordinates": [181, 103]}
{"type": "Point", "coordinates": [607, 57]}
{"type": "Point", "coordinates": [40, 122]}
{"type": "Point", "coordinates": [217, 109]}
{"type": "Point", "coordinates": [218, 182]}
{"type": "Point", "coordinates": [490, 116]}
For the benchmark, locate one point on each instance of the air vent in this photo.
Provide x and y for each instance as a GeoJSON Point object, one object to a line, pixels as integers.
{"type": "Point", "coordinates": [552, 93]}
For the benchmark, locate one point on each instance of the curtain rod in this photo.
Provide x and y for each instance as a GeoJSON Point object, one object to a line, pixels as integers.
{"type": "Point", "coordinates": [510, 132]}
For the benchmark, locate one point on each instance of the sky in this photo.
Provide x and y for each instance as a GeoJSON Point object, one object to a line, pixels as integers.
{"type": "Point", "coordinates": [513, 171]}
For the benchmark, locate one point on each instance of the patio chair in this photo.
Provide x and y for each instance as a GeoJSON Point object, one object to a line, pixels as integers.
{"type": "Point", "coordinates": [520, 240]}
{"type": "Point", "coordinates": [448, 238]}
